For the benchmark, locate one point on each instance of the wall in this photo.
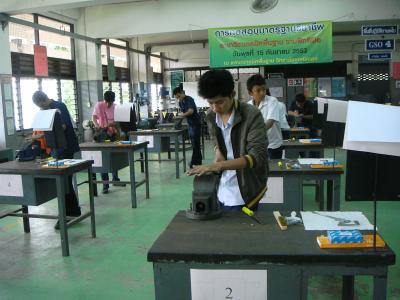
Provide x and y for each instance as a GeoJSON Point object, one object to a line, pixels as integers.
{"type": "Point", "coordinates": [162, 16]}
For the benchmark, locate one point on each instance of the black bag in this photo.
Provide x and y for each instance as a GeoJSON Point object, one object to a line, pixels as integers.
{"type": "Point", "coordinates": [29, 151]}
{"type": "Point", "coordinates": [100, 135]}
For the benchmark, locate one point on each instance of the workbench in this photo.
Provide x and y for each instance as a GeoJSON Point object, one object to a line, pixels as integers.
{"type": "Point", "coordinates": [293, 148]}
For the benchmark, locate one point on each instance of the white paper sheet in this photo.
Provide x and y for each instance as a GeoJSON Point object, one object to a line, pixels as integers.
{"type": "Point", "coordinates": [93, 155]}
{"type": "Point", "coordinates": [228, 284]}
{"type": "Point", "coordinates": [337, 111]}
{"type": "Point", "coordinates": [11, 185]}
{"type": "Point", "coordinates": [274, 193]}
{"type": "Point", "coordinates": [321, 104]}
{"type": "Point", "coordinates": [370, 122]}
{"type": "Point", "coordinates": [146, 138]}
{"type": "Point", "coordinates": [314, 161]}
{"type": "Point", "coordinates": [276, 91]}
{"type": "Point", "coordinates": [43, 120]}
{"type": "Point", "coordinates": [313, 221]}
{"type": "Point", "coordinates": [381, 137]}
{"type": "Point", "coordinates": [122, 112]}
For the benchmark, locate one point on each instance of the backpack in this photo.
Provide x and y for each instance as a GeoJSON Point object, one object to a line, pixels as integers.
{"type": "Point", "coordinates": [29, 151]}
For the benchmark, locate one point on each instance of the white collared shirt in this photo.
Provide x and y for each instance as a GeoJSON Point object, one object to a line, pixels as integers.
{"type": "Point", "coordinates": [228, 189]}
{"type": "Point", "coordinates": [269, 109]}
{"type": "Point", "coordinates": [283, 113]}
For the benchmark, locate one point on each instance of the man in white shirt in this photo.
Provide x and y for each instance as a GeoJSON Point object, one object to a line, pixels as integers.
{"type": "Point", "coordinates": [270, 111]}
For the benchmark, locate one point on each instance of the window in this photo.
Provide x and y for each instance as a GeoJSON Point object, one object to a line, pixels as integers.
{"type": "Point", "coordinates": [68, 96]}
{"type": "Point", "coordinates": [115, 87]}
{"type": "Point", "coordinates": [22, 38]}
{"type": "Point", "coordinates": [57, 45]}
{"type": "Point", "coordinates": [27, 87]}
{"type": "Point", "coordinates": [50, 87]}
{"type": "Point", "coordinates": [119, 56]}
{"type": "Point", "coordinates": [125, 92]}
{"type": "Point", "coordinates": [155, 63]}
{"type": "Point", "coordinates": [17, 108]}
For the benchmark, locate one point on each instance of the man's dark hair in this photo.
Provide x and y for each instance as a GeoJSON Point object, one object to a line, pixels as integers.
{"type": "Point", "coordinates": [39, 96]}
{"type": "Point", "coordinates": [109, 96]}
{"type": "Point", "coordinates": [215, 83]}
{"type": "Point", "coordinates": [256, 79]}
{"type": "Point", "coordinates": [300, 98]}
{"type": "Point", "coordinates": [177, 90]}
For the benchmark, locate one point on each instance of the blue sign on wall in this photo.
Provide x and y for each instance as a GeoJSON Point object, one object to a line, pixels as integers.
{"type": "Point", "coordinates": [380, 56]}
{"type": "Point", "coordinates": [379, 44]}
{"type": "Point", "coordinates": [378, 29]}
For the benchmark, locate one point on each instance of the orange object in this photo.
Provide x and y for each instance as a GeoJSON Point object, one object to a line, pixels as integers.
{"type": "Point", "coordinates": [311, 143]}
{"type": "Point", "coordinates": [42, 140]}
{"type": "Point", "coordinates": [326, 167]}
{"type": "Point", "coordinates": [368, 242]}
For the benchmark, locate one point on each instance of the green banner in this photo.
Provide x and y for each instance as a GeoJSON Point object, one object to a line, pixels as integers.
{"type": "Point", "coordinates": [301, 43]}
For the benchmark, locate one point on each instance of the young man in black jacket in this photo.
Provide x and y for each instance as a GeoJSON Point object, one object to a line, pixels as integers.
{"type": "Point", "coordinates": [239, 135]}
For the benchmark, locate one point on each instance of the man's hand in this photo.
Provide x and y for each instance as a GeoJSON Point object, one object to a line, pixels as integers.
{"type": "Point", "coordinates": [200, 170]}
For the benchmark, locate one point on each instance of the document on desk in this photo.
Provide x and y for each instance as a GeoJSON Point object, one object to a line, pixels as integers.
{"type": "Point", "coordinates": [325, 220]}
{"type": "Point", "coordinates": [11, 185]}
{"type": "Point", "coordinates": [314, 161]}
{"type": "Point", "coordinates": [228, 284]}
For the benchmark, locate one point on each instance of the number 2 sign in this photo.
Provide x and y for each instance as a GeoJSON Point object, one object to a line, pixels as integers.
{"type": "Point", "coordinates": [228, 284]}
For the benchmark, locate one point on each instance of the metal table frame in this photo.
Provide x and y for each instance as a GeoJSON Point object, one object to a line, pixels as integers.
{"type": "Point", "coordinates": [60, 177]}
{"type": "Point", "coordinates": [172, 135]}
{"type": "Point", "coordinates": [108, 149]}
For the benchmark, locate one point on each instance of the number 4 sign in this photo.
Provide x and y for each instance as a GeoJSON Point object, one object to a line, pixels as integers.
{"type": "Point", "coordinates": [228, 284]}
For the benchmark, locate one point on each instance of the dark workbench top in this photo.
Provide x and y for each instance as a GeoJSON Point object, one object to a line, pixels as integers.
{"type": "Point", "coordinates": [274, 169]}
{"type": "Point", "coordinates": [111, 145]}
{"type": "Point", "coordinates": [157, 132]}
{"type": "Point", "coordinates": [34, 168]}
{"type": "Point", "coordinates": [296, 144]}
{"type": "Point", "coordinates": [236, 237]}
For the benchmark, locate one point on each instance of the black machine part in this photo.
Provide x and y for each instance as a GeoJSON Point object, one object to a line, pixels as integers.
{"type": "Point", "coordinates": [205, 205]}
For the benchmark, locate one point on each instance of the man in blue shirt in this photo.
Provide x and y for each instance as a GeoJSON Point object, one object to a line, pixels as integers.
{"type": "Point", "coordinates": [189, 111]}
{"type": "Point", "coordinates": [72, 146]}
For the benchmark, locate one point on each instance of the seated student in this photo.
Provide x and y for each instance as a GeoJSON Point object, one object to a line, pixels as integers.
{"type": "Point", "coordinates": [41, 100]}
{"type": "Point", "coordinates": [302, 108]}
{"type": "Point", "coordinates": [269, 108]}
{"type": "Point", "coordinates": [103, 117]}
{"type": "Point", "coordinates": [239, 135]}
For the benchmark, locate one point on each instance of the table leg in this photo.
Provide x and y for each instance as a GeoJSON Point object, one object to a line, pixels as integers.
{"type": "Point", "coordinates": [321, 195]}
{"type": "Point", "coordinates": [131, 158]}
{"type": "Point", "coordinates": [177, 155]}
{"type": "Point", "coordinates": [348, 287]}
{"type": "Point", "coordinates": [25, 220]}
{"type": "Point", "coordinates": [336, 193]}
{"type": "Point", "coordinates": [184, 154]}
{"type": "Point", "coordinates": [141, 162]}
{"type": "Point", "coordinates": [146, 167]}
{"type": "Point", "coordinates": [60, 184]}
{"type": "Point", "coordinates": [329, 195]}
{"type": "Point", "coordinates": [91, 203]}
{"type": "Point", "coordinates": [380, 286]}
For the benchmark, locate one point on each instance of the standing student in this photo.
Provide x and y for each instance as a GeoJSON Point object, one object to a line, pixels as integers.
{"type": "Point", "coordinates": [189, 111]}
{"type": "Point", "coordinates": [239, 135]}
{"type": "Point", "coordinates": [302, 108]}
{"type": "Point", "coordinates": [283, 120]}
{"type": "Point", "coordinates": [42, 100]}
{"type": "Point", "coordinates": [269, 108]}
{"type": "Point", "coordinates": [103, 118]}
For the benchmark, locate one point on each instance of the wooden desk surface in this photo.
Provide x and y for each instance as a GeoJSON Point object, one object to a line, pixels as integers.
{"type": "Point", "coordinates": [305, 169]}
{"type": "Point", "coordinates": [156, 132]}
{"type": "Point", "coordinates": [111, 145]}
{"type": "Point", "coordinates": [296, 144]}
{"type": "Point", "coordinates": [236, 237]}
{"type": "Point", "coordinates": [34, 168]}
